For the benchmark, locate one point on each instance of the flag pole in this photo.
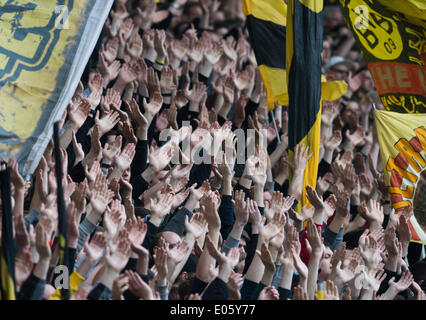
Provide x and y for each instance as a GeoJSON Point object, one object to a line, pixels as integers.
{"type": "Point", "coordinates": [62, 214]}
{"type": "Point", "coordinates": [275, 126]}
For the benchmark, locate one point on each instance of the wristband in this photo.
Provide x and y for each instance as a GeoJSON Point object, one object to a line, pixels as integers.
{"type": "Point", "coordinates": [160, 62]}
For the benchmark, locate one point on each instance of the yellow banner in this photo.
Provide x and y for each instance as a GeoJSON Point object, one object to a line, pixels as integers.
{"type": "Point", "coordinates": [44, 47]}
{"type": "Point", "coordinates": [402, 139]}
{"type": "Point", "coordinates": [392, 39]}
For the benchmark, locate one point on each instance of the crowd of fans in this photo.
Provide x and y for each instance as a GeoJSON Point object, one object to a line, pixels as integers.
{"type": "Point", "coordinates": [147, 219]}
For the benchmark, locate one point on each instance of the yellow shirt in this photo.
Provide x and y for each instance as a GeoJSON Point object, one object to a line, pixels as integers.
{"type": "Point", "coordinates": [75, 281]}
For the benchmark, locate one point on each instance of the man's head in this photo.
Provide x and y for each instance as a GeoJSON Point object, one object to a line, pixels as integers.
{"type": "Point", "coordinates": [350, 114]}
{"type": "Point", "coordinates": [172, 238]}
{"type": "Point", "coordinates": [191, 11]}
{"type": "Point", "coordinates": [325, 265]}
{"type": "Point", "coordinates": [332, 17]}
{"type": "Point", "coordinates": [337, 68]}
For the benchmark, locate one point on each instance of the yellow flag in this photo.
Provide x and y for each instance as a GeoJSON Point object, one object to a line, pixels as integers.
{"type": "Point", "coordinates": [44, 48]}
{"type": "Point", "coordinates": [266, 25]}
{"type": "Point", "coordinates": [402, 139]}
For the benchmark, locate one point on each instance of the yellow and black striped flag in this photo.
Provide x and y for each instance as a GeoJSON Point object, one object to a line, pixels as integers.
{"type": "Point", "coordinates": [266, 25]}
{"type": "Point", "coordinates": [303, 49]}
{"type": "Point", "coordinates": [7, 251]}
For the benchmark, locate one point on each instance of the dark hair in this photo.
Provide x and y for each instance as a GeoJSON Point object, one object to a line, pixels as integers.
{"type": "Point", "coordinates": [418, 271]}
{"type": "Point", "coordinates": [352, 238]}
{"type": "Point", "coordinates": [185, 286]}
{"type": "Point", "coordinates": [188, 6]}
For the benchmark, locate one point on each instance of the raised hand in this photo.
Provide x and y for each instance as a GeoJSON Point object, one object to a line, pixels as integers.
{"type": "Point", "coordinates": [269, 293]}
{"type": "Point", "coordinates": [159, 40]}
{"type": "Point", "coordinates": [124, 159]}
{"type": "Point", "coordinates": [231, 259]}
{"type": "Point", "coordinates": [179, 49]}
{"type": "Point", "coordinates": [113, 221]}
{"type": "Point", "coordinates": [330, 111]}
{"type": "Point", "coordinates": [139, 287]}
{"type": "Point", "coordinates": [242, 80]}
{"type": "Point", "coordinates": [391, 242]}
{"type": "Point", "coordinates": [373, 213]}
{"type": "Point", "coordinates": [161, 157]}
{"type": "Point", "coordinates": [99, 196]}
{"type": "Point", "coordinates": [113, 70]}
{"type": "Point", "coordinates": [162, 205]}
{"type": "Point", "coordinates": [229, 48]}
{"type": "Point", "coordinates": [255, 218]}
{"type": "Point", "coordinates": [300, 266]}
{"type": "Point", "coordinates": [160, 260]}
{"type": "Point", "coordinates": [418, 292]}
{"type": "Point", "coordinates": [15, 177]}
{"type": "Point", "coordinates": [335, 140]}
{"type": "Point", "coordinates": [314, 199]}
{"type": "Point", "coordinates": [374, 278]}
{"type": "Point", "coordinates": [300, 158]}
{"type": "Point", "coordinates": [107, 122]}
{"type": "Point", "coordinates": [300, 294]}
{"type": "Point", "coordinates": [273, 227]}
{"type": "Point", "coordinates": [347, 175]}
{"type": "Point", "coordinates": [355, 139]}
{"type": "Point", "coordinates": [209, 207]}
{"type": "Point", "coordinates": [213, 53]}
{"type": "Point", "coordinates": [78, 113]}
{"type": "Point", "coordinates": [195, 96]}
{"type": "Point", "coordinates": [23, 267]}
{"type": "Point", "coordinates": [266, 258]}
{"type": "Point", "coordinates": [152, 108]}
{"type": "Point", "coordinates": [73, 220]}
{"type": "Point", "coordinates": [125, 31]}
{"type": "Point", "coordinates": [120, 284]}
{"type": "Point", "coordinates": [366, 186]}
{"type": "Point", "coordinates": [42, 242]}
{"type": "Point", "coordinates": [228, 90]}
{"type": "Point", "coordinates": [369, 250]}
{"type": "Point", "coordinates": [197, 225]}
{"type": "Point", "coordinates": [331, 292]}
{"type": "Point", "coordinates": [112, 97]}
{"type": "Point", "coordinates": [234, 284]}
{"type": "Point", "coordinates": [111, 150]}
{"type": "Point", "coordinates": [136, 116]}
{"type": "Point", "coordinates": [396, 287]}
{"type": "Point", "coordinates": [135, 46]}
{"type": "Point", "coordinates": [241, 210]}
{"type": "Point", "coordinates": [278, 204]}
{"type": "Point", "coordinates": [96, 247]}
{"type": "Point", "coordinates": [110, 49]}
{"type": "Point", "coordinates": [314, 238]}
{"type": "Point", "coordinates": [342, 201]}
{"type": "Point", "coordinates": [137, 230]}
{"type": "Point", "coordinates": [167, 84]}
{"type": "Point", "coordinates": [180, 99]}
{"type": "Point", "coordinates": [127, 74]}
{"type": "Point", "coordinates": [118, 260]}
{"type": "Point", "coordinates": [197, 51]}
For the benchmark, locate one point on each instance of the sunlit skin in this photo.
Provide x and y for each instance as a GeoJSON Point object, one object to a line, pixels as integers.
{"type": "Point", "coordinates": [221, 212]}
